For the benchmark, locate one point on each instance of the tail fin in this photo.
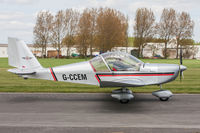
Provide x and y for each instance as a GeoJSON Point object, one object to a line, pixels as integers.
{"type": "Point", "coordinates": [20, 56]}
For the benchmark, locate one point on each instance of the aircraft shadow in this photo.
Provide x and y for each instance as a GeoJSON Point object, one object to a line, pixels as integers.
{"type": "Point", "coordinates": [104, 103]}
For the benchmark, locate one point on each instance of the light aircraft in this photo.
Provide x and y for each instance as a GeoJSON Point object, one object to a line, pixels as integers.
{"type": "Point", "coordinates": [111, 69]}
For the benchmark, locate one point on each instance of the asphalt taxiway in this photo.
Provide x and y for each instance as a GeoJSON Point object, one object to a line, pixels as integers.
{"type": "Point", "coordinates": [97, 113]}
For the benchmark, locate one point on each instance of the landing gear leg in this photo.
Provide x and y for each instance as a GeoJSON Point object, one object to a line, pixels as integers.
{"type": "Point", "coordinates": [124, 95]}
{"type": "Point", "coordinates": [163, 95]}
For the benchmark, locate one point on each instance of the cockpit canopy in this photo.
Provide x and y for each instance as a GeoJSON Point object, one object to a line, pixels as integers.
{"type": "Point", "coordinates": [115, 61]}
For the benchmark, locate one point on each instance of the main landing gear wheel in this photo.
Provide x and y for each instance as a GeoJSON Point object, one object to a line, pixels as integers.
{"type": "Point", "coordinates": [124, 101]}
{"type": "Point", "coordinates": [124, 95]}
{"type": "Point", "coordinates": [164, 99]}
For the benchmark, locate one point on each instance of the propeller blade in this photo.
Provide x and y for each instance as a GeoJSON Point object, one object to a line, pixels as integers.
{"type": "Point", "coordinates": [181, 63]}
{"type": "Point", "coordinates": [181, 56]}
{"type": "Point", "coordinates": [181, 69]}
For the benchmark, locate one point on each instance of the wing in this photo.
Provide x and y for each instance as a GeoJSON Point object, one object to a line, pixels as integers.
{"type": "Point", "coordinates": [120, 82]}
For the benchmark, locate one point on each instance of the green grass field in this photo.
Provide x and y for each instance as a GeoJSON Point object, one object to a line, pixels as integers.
{"type": "Point", "coordinates": [12, 83]}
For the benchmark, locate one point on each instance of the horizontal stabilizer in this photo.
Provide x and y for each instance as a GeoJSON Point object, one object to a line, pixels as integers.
{"type": "Point", "coordinates": [21, 71]}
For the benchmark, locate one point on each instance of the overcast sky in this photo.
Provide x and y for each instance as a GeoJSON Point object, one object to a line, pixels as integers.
{"type": "Point", "coordinates": [17, 17]}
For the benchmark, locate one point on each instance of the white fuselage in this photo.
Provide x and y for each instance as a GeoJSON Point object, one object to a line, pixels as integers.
{"type": "Point", "coordinates": [83, 73]}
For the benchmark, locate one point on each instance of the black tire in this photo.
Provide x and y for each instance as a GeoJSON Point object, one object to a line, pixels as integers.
{"type": "Point", "coordinates": [164, 99]}
{"type": "Point", "coordinates": [124, 101]}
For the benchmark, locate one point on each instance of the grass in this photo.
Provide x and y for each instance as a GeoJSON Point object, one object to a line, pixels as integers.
{"type": "Point", "coordinates": [12, 83]}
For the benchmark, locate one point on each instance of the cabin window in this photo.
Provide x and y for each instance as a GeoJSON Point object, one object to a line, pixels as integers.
{"type": "Point", "coordinates": [118, 61]}
{"type": "Point", "coordinates": [98, 65]}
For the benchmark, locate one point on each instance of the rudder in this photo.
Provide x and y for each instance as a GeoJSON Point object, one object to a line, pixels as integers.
{"type": "Point", "coordinates": [20, 56]}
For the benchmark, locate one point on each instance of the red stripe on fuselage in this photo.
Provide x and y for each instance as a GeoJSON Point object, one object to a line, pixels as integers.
{"type": "Point", "coordinates": [97, 79]}
{"type": "Point", "coordinates": [95, 71]}
{"type": "Point", "coordinates": [137, 75]}
{"type": "Point", "coordinates": [93, 67]}
{"type": "Point", "coordinates": [52, 74]}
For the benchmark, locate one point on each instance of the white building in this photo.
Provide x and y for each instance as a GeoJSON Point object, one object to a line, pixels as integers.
{"type": "Point", "coordinates": [150, 50]}
{"type": "Point", "coordinates": [35, 51]}
{"type": "Point", "coordinates": [3, 50]}
{"type": "Point", "coordinates": [153, 49]}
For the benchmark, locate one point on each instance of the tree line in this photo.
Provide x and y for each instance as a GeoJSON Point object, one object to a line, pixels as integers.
{"type": "Point", "coordinates": [172, 24]}
{"type": "Point", "coordinates": [94, 29]}
{"type": "Point", "coordinates": [101, 29]}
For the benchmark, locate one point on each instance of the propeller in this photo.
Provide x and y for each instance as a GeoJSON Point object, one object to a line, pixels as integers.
{"type": "Point", "coordinates": [181, 67]}
{"type": "Point", "coordinates": [181, 63]}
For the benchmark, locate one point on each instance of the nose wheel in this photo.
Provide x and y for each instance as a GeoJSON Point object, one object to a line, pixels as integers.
{"type": "Point", "coordinates": [124, 101]}
{"type": "Point", "coordinates": [163, 95]}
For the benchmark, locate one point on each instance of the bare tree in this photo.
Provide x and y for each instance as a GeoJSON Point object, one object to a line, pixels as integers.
{"type": "Point", "coordinates": [167, 26]}
{"type": "Point", "coordinates": [93, 18]}
{"type": "Point", "coordinates": [42, 30]}
{"type": "Point", "coordinates": [143, 28]}
{"type": "Point", "coordinates": [125, 34]}
{"type": "Point", "coordinates": [71, 24]}
{"type": "Point", "coordinates": [83, 34]}
{"type": "Point", "coordinates": [59, 31]}
{"type": "Point", "coordinates": [184, 30]}
{"type": "Point", "coordinates": [110, 29]}
{"type": "Point", "coordinates": [87, 31]}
